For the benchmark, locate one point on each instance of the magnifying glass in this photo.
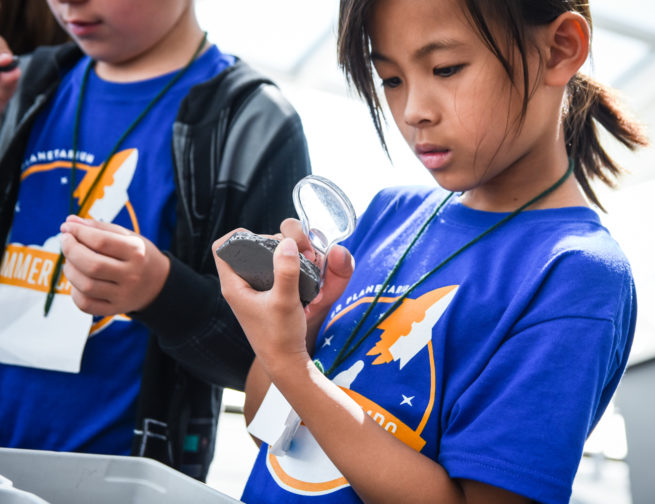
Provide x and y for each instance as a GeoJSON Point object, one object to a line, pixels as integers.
{"type": "Point", "coordinates": [326, 214]}
{"type": "Point", "coordinates": [327, 217]}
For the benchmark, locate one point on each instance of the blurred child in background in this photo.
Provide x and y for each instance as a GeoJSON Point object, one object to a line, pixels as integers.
{"type": "Point", "coordinates": [130, 151]}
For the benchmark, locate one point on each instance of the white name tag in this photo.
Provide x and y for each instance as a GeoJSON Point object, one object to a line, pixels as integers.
{"type": "Point", "coordinates": [27, 338]}
{"type": "Point", "coordinates": [275, 422]}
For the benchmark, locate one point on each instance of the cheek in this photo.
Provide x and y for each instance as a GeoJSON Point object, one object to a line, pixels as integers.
{"type": "Point", "coordinates": [133, 17]}
{"type": "Point", "coordinates": [396, 103]}
{"type": "Point", "coordinates": [484, 111]}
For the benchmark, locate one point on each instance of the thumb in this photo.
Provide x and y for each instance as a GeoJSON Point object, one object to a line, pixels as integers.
{"type": "Point", "coordinates": [4, 48]}
{"type": "Point", "coordinates": [337, 275]}
{"type": "Point", "coordinates": [8, 78]}
{"type": "Point", "coordinates": [286, 270]}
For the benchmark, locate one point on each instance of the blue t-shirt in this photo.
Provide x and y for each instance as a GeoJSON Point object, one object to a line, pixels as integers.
{"type": "Point", "coordinates": [94, 410]}
{"type": "Point", "coordinates": [497, 366]}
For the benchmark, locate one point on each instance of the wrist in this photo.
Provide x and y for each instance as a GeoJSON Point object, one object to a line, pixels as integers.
{"type": "Point", "coordinates": [287, 366]}
{"type": "Point", "coordinates": [156, 279]}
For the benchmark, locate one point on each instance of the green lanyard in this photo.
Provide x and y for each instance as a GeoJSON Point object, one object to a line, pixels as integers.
{"type": "Point", "coordinates": [76, 128]}
{"type": "Point", "coordinates": [351, 345]}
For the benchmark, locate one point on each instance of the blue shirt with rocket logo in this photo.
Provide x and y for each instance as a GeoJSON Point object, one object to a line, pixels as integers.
{"type": "Point", "coordinates": [497, 366]}
{"type": "Point", "coordinates": [93, 410]}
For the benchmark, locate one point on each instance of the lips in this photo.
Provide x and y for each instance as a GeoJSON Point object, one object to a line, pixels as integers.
{"type": "Point", "coordinates": [433, 157]}
{"type": "Point", "coordinates": [81, 28]}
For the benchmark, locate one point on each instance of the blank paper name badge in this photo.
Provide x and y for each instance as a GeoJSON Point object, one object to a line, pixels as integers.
{"type": "Point", "coordinates": [275, 422]}
{"type": "Point", "coordinates": [27, 337]}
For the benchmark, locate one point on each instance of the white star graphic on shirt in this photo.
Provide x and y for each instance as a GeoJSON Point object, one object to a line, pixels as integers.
{"type": "Point", "coordinates": [407, 400]}
{"type": "Point", "coordinates": [328, 341]}
{"type": "Point", "coordinates": [63, 180]}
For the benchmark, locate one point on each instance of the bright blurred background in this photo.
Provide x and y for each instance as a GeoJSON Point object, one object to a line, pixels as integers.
{"type": "Point", "coordinates": [293, 42]}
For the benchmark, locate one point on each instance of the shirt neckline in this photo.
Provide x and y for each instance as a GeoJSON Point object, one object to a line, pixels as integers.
{"type": "Point", "coordinates": [458, 213]}
{"type": "Point", "coordinates": [143, 89]}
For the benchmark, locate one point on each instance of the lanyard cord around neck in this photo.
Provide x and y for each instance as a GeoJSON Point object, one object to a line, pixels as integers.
{"type": "Point", "coordinates": [349, 348]}
{"type": "Point", "coordinates": [76, 129]}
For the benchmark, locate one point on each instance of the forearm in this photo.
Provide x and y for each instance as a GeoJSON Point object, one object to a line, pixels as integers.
{"type": "Point", "coordinates": [192, 321]}
{"type": "Point", "coordinates": [198, 328]}
{"type": "Point", "coordinates": [354, 442]}
{"type": "Point", "coordinates": [379, 467]}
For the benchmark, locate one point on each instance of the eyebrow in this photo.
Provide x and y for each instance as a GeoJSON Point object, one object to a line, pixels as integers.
{"type": "Point", "coordinates": [427, 49]}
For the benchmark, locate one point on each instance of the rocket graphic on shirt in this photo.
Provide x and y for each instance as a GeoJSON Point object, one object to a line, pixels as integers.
{"type": "Point", "coordinates": [27, 268]}
{"type": "Point", "coordinates": [409, 329]}
{"type": "Point", "coordinates": [30, 266]}
{"type": "Point", "coordinates": [305, 469]}
{"type": "Point", "coordinates": [109, 197]}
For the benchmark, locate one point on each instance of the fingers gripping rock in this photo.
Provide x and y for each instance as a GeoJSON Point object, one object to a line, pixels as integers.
{"type": "Point", "coordinates": [251, 257]}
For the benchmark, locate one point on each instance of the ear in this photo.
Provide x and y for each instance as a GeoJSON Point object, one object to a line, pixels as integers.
{"type": "Point", "coordinates": [568, 41]}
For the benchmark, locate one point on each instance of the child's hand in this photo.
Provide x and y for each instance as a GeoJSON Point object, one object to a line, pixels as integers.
{"type": "Point", "coordinates": [278, 328]}
{"type": "Point", "coordinates": [111, 269]}
{"type": "Point", "coordinates": [337, 275]}
{"type": "Point", "coordinates": [273, 320]}
{"type": "Point", "coordinates": [8, 80]}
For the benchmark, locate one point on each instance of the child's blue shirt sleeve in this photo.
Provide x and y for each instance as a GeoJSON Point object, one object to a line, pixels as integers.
{"type": "Point", "coordinates": [522, 424]}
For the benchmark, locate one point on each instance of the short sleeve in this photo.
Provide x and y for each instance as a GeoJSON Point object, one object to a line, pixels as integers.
{"type": "Point", "coordinates": [522, 423]}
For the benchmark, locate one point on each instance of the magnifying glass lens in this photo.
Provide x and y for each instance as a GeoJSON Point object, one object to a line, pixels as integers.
{"type": "Point", "coordinates": [326, 213]}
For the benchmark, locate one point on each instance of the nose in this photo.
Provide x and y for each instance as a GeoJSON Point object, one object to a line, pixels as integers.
{"type": "Point", "coordinates": [421, 107]}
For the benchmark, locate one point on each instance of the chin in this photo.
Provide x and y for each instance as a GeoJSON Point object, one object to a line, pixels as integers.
{"type": "Point", "coordinates": [102, 52]}
{"type": "Point", "coordinates": [95, 52]}
{"type": "Point", "coordinates": [452, 184]}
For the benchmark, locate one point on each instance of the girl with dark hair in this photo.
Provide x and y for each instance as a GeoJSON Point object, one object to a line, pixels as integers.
{"type": "Point", "coordinates": [483, 331]}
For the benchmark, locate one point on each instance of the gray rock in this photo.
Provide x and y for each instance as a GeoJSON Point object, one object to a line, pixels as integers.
{"type": "Point", "coordinates": [251, 257]}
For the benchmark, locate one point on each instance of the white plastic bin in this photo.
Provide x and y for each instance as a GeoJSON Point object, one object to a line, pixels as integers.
{"type": "Point", "coordinates": [11, 495]}
{"type": "Point", "coordinates": [44, 477]}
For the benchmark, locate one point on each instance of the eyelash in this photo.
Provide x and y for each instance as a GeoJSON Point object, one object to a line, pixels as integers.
{"type": "Point", "coordinates": [443, 72]}
{"type": "Point", "coordinates": [391, 83]}
{"type": "Point", "coordinates": [447, 71]}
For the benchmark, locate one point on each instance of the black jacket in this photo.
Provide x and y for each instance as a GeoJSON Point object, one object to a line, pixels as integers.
{"type": "Point", "coordinates": [238, 150]}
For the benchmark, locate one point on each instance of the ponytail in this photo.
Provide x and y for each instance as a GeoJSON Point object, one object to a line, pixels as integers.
{"type": "Point", "coordinates": [590, 102]}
